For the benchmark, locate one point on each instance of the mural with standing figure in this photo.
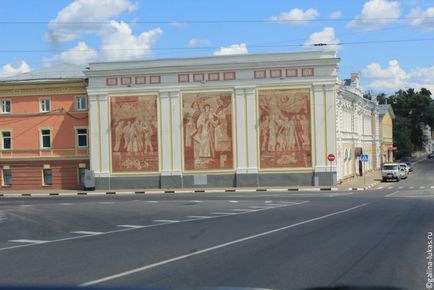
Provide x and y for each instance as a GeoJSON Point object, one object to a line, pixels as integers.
{"type": "Point", "coordinates": [284, 128]}
{"type": "Point", "coordinates": [207, 121]}
{"type": "Point", "coordinates": [134, 134]}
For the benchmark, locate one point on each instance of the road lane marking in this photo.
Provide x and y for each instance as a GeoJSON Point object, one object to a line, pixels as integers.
{"type": "Point", "coordinates": [261, 206]}
{"type": "Point", "coordinates": [198, 216]}
{"type": "Point", "coordinates": [147, 226]}
{"type": "Point", "coordinates": [166, 221]}
{"type": "Point", "coordinates": [401, 187]}
{"type": "Point", "coordinates": [106, 202]}
{"type": "Point", "coordinates": [411, 187]}
{"type": "Point", "coordinates": [432, 186]}
{"type": "Point", "coordinates": [89, 233]}
{"type": "Point", "coordinates": [131, 226]}
{"type": "Point", "coordinates": [233, 201]}
{"type": "Point", "coordinates": [381, 187]}
{"type": "Point", "coordinates": [421, 187]}
{"type": "Point", "coordinates": [216, 247]}
{"type": "Point", "coordinates": [222, 213]}
{"type": "Point", "coordinates": [29, 241]}
{"type": "Point", "coordinates": [390, 187]}
{"type": "Point", "coordinates": [243, 209]}
{"type": "Point", "coordinates": [392, 194]}
{"type": "Point", "coordinates": [151, 201]}
{"type": "Point", "coordinates": [196, 201]}
{"type": "Point", "coordinates": [64, 203]}
{"type": "Point", "coordinates": [268, 201]}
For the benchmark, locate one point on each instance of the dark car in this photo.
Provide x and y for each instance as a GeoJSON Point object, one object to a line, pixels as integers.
{"type": "Point", "coordinates": [431, 156]}
{"type": "Point", "coordinates": [410, 167]}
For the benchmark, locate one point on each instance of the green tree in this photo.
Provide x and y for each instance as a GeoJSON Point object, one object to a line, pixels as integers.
{"type": "Point", "coordinates": [402, 136]}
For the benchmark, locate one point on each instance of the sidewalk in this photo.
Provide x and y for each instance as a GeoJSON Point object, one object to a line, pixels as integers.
{"type": "Point", "coordinates": [369, 180]}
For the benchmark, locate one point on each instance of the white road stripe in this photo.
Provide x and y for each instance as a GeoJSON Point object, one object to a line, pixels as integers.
{"type": "Point", "coordinates": [198, 216]}
{"type": "Point", "coordinates": [223, 245]}
{"type": "Point", "coordinates": [166, 221]}
{"type": "Point", "coordinates": [401, 187]}
{"type": "Point", "coordinates": [390, 187]}
{"type": "Point", "coordinates": [421, 187]}
{"type": "Point", "coordinates": [432, 186]}
{"type": "Point", "coordinates": [268, 201]}
{"type": "Point", "coordinates": [243, 209]}
{"type": "Point", "coordinates": [197, 201]}
{"type": "Point", "coordinates": [106, 202]}
{"type": "Point", "coordinates": [391, 194]}
{"type": "Point", "coordinates": [233, 201]}
{"type": "Point", "coordinates": [29, 241]}
{"type": "Point", "coordinates": [65, 203]}
{"type": "Point", "coordinates": [261, 206]}
{"type": "Point", "coordinates": [87, 233]}
{"type": "Point", "coordinates": [131, 226]}
{"type": "Point", "coordinates": [411, 187]}
{"type": "Point", "coordinates": [381, 187]}
{"type": "Point", "coordinates": [222, 213]}
{"type": "Point", "coordinates": [151, 201]}
{"type": "Point", "coordinates": [275, 204]}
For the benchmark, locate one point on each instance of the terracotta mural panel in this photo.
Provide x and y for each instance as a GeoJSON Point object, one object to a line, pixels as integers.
{"type": "Point", "coordinates": [134, 134]}
{"type": "Point", "coordinates": [285, 128]}
{"type": "Point", "coordinates": [207, 121]}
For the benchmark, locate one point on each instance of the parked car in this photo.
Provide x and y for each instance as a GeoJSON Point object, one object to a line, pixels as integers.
{"type": "Point", "coordinates": [410, 167]}
{"type": "Point", "coordinates": [403, 170]}
{"type": "Point", "coordinates": [391, 171]}
{"type": "Point", "coordinates": [431, 156]}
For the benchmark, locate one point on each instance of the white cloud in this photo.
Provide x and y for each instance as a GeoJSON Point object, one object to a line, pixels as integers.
{"type": "Point", "coordinates": [11, 69]}
{"type": "Point", "coordinates": [295, 16]}
{"type": "Point", "coordinates": [232, 49]}
{"type": "Point", "coordinates": [326, 36]}
{"type": "Point", "coordinates": [119, 42]}
{"type": "Point", "coordinates": [85, 16]}
{"type": "Point", "coordinates": [80, 54]}
{"type": "Point", "coordinates": [421, 18]}
{"type": "Point", "coordinates": [393, 77]}
{"type": "Point", "coordinates": [195, 42]}
{"type": "Point", "coordinates": [376, 14]}
{"type": "Point", "coordinates": [335, 15]}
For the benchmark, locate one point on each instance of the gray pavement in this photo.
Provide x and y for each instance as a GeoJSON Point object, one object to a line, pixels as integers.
{"type": "Point", "coordinates": [281, 240]}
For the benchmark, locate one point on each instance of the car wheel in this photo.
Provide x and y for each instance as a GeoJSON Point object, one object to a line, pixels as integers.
{"type": "Point", "coordinates": [384, 179]}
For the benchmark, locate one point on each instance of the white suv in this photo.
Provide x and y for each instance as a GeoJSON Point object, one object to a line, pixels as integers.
{"type": "Point", "coordinates": [390, 171]}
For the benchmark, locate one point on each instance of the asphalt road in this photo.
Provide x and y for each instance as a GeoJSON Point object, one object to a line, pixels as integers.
{"type": "Point", "coordinates": [258, 239]}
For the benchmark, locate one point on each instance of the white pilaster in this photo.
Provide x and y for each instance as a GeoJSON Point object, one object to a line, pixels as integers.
{"type": "Point", "coordinates": [176, 131]}
{"type": "Point", "coordinates": [94, 133]}
{"type": "Point", "coordinates": [240, 134]}
{"type": "Point", "coordinates": [252, 131]}
{"type": "Point", "coordinates": [105, 135]}
{"type": "Point", "coordinates": [165, 126]}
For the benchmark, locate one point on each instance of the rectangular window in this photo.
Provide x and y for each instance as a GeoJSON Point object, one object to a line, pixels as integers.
{"type": "Point", "coordinates": [46, 138]}
{"type": "Point", "coordinates": [81, 137]}
{"type": "Point", "coordinates": [5, 106]}
{"type": "Point", "coordinates": [80, 103]}
{"type": "Point", "coordinates": [45, 105]}
{"type": "Point", "coordinates": [48, 176]}
{"type": "Point", "coordinates": [81, 175]}
{"type": "Point", "coordinates": [7, 177]}
{"type": "Point", "coordinates": [7, 140]}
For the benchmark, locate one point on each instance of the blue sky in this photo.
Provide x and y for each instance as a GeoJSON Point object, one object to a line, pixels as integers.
{"type": "Point", "coordinates": [390, 42]}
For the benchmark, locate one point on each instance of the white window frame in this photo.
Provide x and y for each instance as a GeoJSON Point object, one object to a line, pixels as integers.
{"type": "Point", "coordinates": [42, 138]}
{"type": "Point", "coordinates": [43, 105]}
{"type": "Point", "coordinates": [3, 106]}
{"type": "Point", "coordinates": [3, 139]}
{"type": "Point", "coordinates": [80, 134]}
{"type": "Point", "coordinates": [79, 104]}
{"type": "Point", "coordinates": [43, 177]}
{"type": "Point", "coordinates": [4, 179]}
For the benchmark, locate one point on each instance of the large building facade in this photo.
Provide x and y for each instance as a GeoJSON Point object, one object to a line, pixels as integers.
{"type": "Point", "coordinates": [358, 130]}
{"type": "Point", "coordinates": [241, 120]}
{"type": "Point", "coordinates": [387, 116]}
{"type": "Point", "coordinates": [43, 127]}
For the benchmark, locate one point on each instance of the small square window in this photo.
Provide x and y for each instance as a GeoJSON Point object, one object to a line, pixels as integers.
{"type": "Point", "coordinates": [198, 77]}
{"type": "Point", "coordinates": [214, 76]}
{"type": "Point", "coordinates": [7, 177]}
{"type": "Point", "coordinates": [45, 105]}
{"type": "Point", "coordinates": [275, 73]}
{"type": "Point", "coordinates": [5, 106]}
{"type": "Point", "coordinates": [48, 176]}
{"type": "Point", "coordinates": [140, 80]}
{"type": "Point", "coordinates": [80, 103]}
{"type": "Point", "coordinates": [183, 78]}
{"type": "Point", "coordinates": [7, 140]}
{"type": "Point", "coordinates": [155, 79]}
{"type": "Point", "coordinates": [46, 138]}
{"type": "Point", "coordinates": [81, 137]}
{"type": "Point", "coordinates": [125, 81]}
{"type": "Point", "coordinates": [291, 72]}
{"type": "Point", "coordinates": [307, 72]}
{"type": "Point", "coordinates": [260, 74]}
{"type": "Point", "coordinates": [229, 76]}
{"type": "Point", "coordinates": [111, 81]}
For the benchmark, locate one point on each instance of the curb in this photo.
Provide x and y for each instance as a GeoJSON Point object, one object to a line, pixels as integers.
{"type": "Point", "coordinates": [100, 193]}
{"type": "Point", "coordinates": [366, 187]}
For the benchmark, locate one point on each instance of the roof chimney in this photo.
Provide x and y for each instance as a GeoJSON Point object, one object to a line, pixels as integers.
{"type": "Point", "coordinates": [355, 80]}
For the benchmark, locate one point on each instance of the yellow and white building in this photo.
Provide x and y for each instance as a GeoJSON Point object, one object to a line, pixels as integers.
{"type": "Point", "coordinates": [386, 132]}
{"type": "Point", "coordinates": [239, 120]}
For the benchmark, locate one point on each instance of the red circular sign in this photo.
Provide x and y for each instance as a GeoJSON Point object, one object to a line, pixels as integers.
{"type": "Point", "coordinates": [331, 157]}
